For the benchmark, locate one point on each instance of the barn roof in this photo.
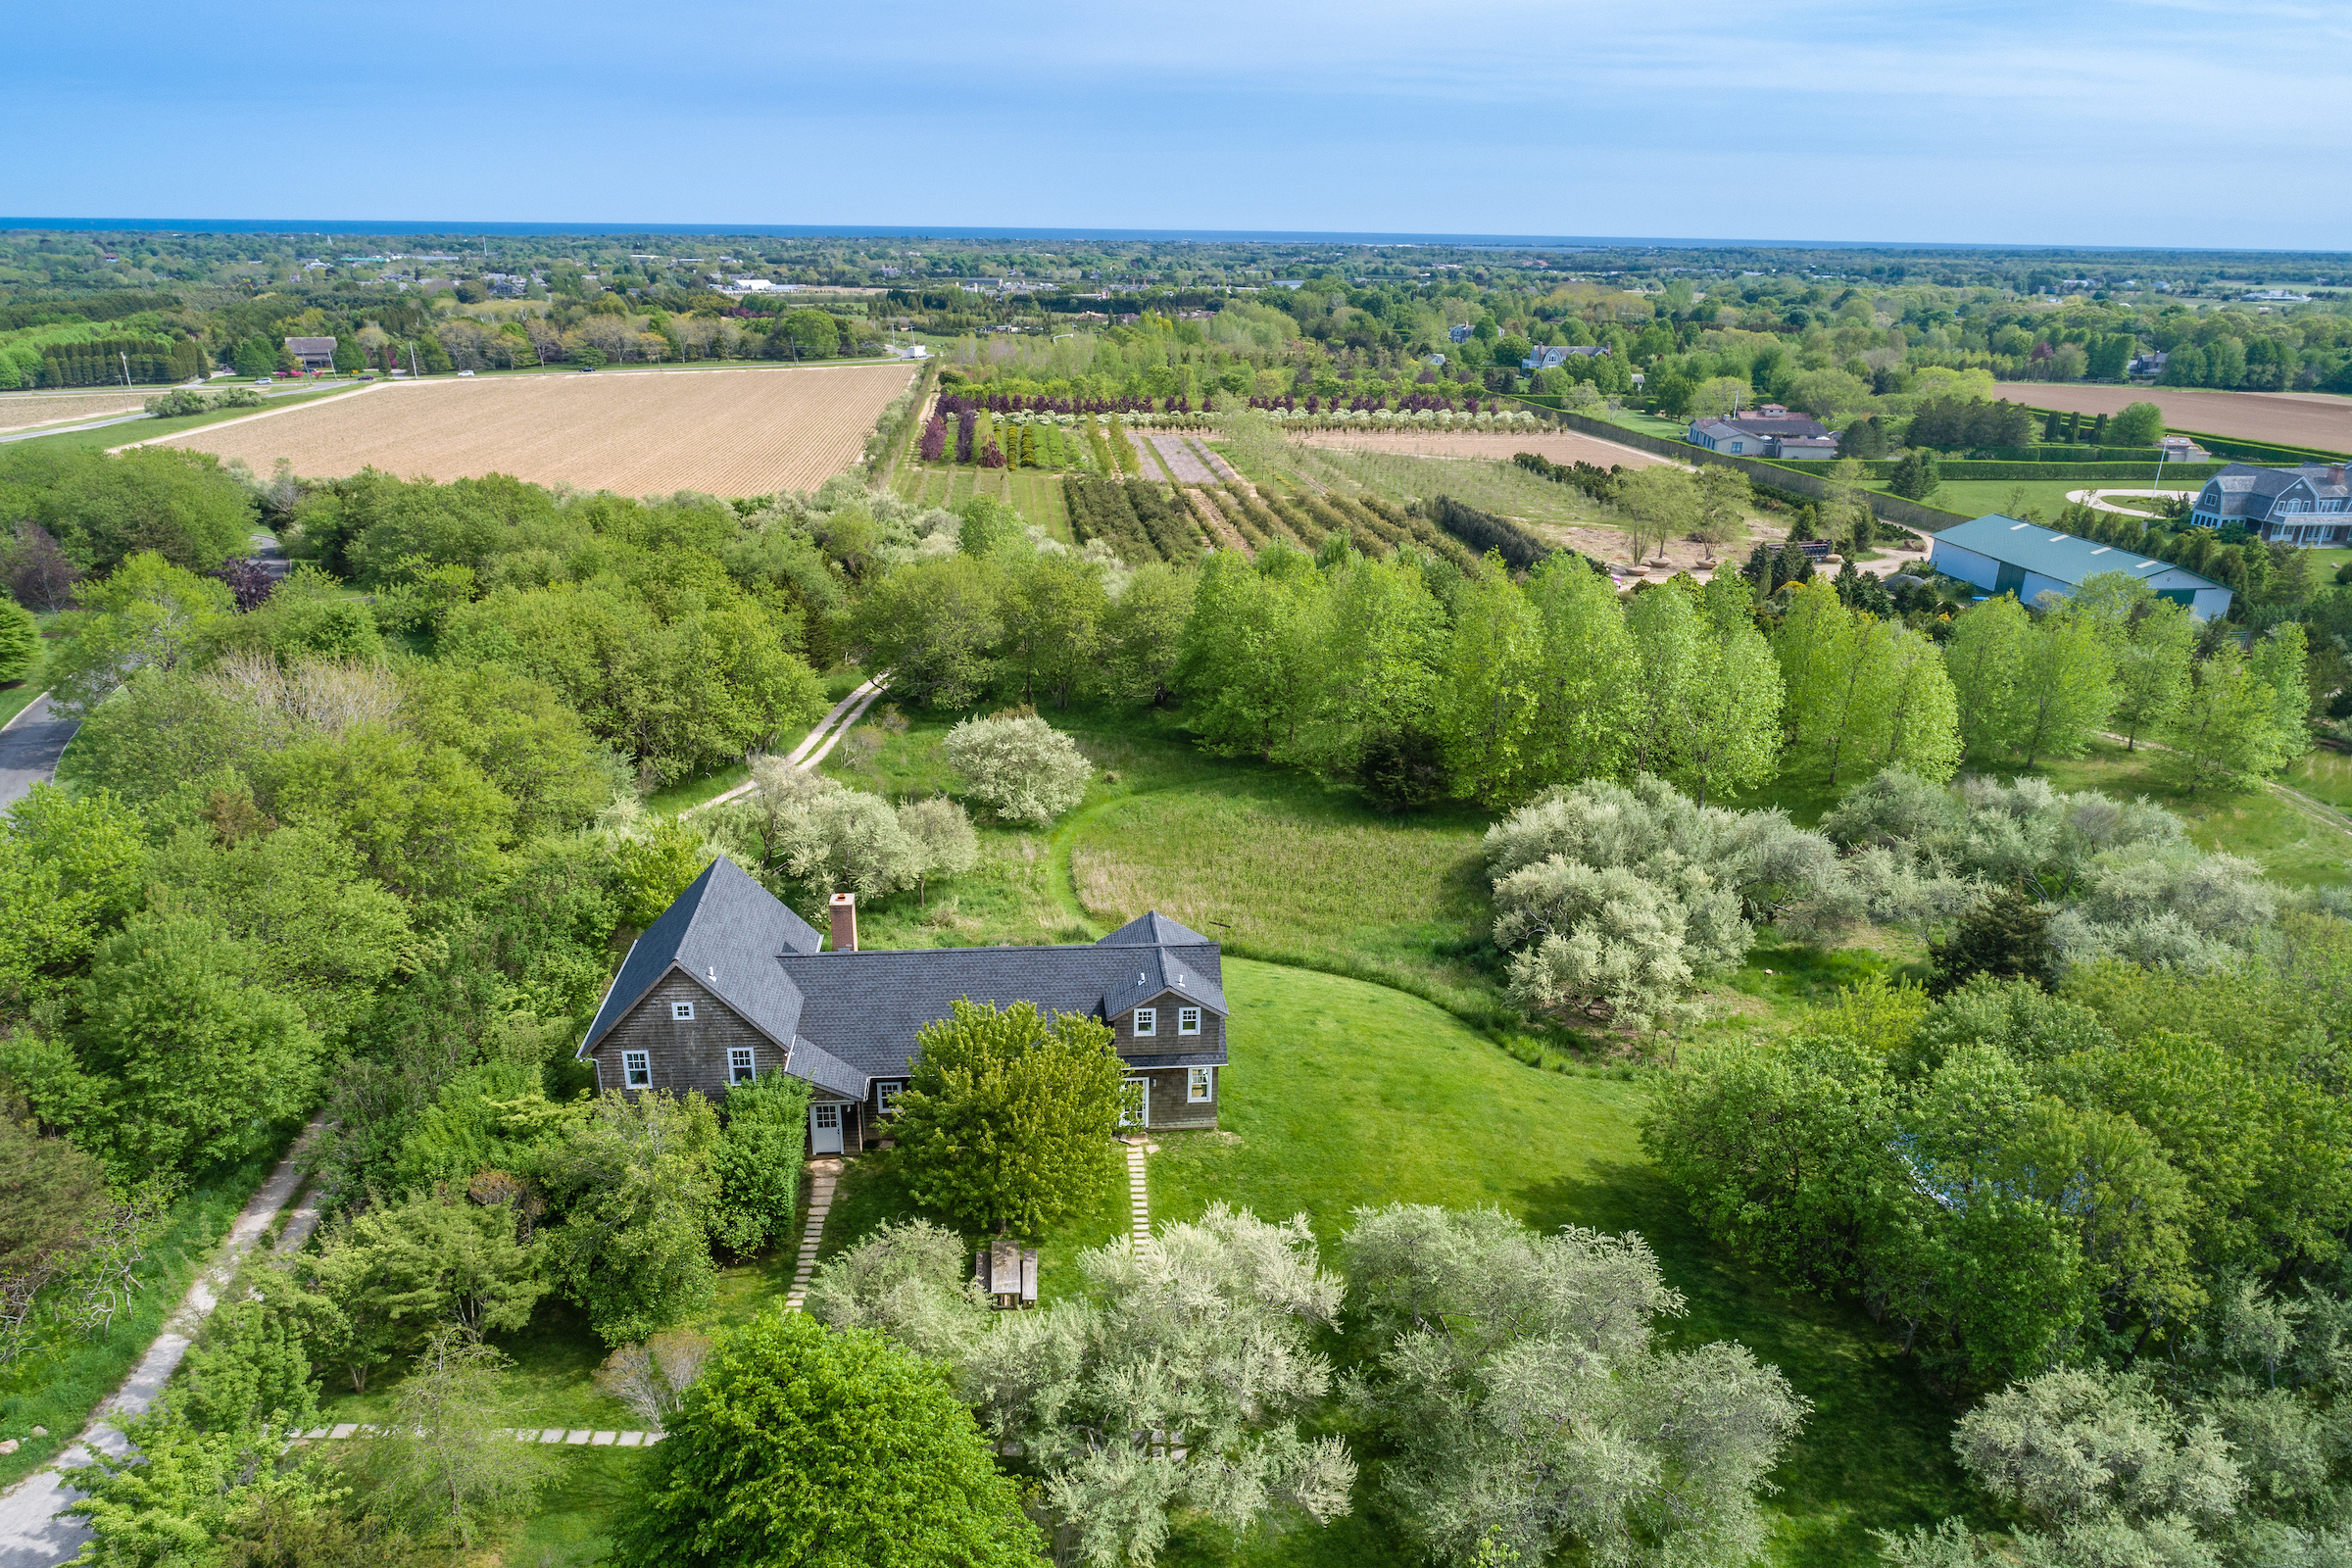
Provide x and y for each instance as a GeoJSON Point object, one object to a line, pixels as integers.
{"type": "Point", "coordinates": [2060, 557]}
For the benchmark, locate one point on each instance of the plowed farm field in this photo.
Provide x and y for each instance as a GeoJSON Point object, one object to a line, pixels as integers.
{"type": "Point", "coordinates": [22, 411]}
{"type": "Point", "coordinates": [2291, 419]}
{"type": "Point", "coordinates": [727, 433]}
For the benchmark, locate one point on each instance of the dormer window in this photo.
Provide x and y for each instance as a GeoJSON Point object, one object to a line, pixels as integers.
{"type": "Point", "coordinates": [1188, 1020]}
{"type": "Point", "coordinates": [1146, 1023]}
{"type": "Point", "coordinates": [683, 1011]}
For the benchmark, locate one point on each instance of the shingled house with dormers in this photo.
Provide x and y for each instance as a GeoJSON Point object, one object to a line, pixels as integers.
{"type": "Point", "coordinates": [2309, 506]}
{"type": "Point", "coordinates": [729, 984]}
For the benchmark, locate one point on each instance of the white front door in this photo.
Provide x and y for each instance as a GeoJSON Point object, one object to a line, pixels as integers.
{"type": "Point", "coordinates": [825, 1129]}
{"type": "Point", "coordinates": [1135, 1103]}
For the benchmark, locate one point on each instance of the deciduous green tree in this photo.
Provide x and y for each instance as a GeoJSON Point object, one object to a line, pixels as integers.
{"type": "Point", "coordinates": [1987, 653]}
{"type": "Point", "coordinates": [757, 1160]}
{"type": "Point", "coordinates": [20, 641]}
{"type": "Point", "coordinates": [197, 1060]}
{"type": "Point", "coordinates": [1008, 1118]}
{"type": "Point", "coordinates": [149, 614]}
{"type": "Point", "coordinates": [807, 1445]}
{"type": "Point", "coordinates": [637, 1196]}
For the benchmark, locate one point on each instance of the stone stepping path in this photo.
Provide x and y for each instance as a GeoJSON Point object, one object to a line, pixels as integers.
{"type": "Point", "coordinates": [820, 1202]}
{"type": "Point", "coordinates": [578, 1435]}
{"type": "Point", "coordinates": [1137, 1195]}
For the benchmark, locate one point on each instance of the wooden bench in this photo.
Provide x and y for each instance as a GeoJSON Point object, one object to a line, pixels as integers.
{"type": "Point", "coordinates": [1008, 1271]}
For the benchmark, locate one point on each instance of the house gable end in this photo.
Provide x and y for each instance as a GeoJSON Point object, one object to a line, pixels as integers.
{"type": "Point", "coordinates": [680, 1055]}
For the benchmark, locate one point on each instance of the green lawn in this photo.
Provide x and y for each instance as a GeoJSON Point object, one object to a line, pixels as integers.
{"type": "Point", "coordinates": [1344, 1094]}
{"type": "Point", "coordinates": [1974, 498]}
{"type": "Point", "coordinates": [2324, 776]}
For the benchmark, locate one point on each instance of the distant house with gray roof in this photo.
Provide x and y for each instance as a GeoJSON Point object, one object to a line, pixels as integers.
{"type": "Point", "coordinates": [1551, 356]}
{"type": "Point", "coordinates": [729, 984]}
{"type": "Point", "coordinates": [1766, 432]}
{"type": "Point", "coordinates": [2308, 505]}
{"type": "Point", "coordinates": [313, 353]}
{"type": "Point", "coordinates": [2004, 556]}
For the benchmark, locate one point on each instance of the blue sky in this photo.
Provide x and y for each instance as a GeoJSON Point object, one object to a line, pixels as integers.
{"type": "Point", "coordinates": [2108, 122]}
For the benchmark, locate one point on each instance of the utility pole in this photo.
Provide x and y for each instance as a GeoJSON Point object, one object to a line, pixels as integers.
{"type": "Point", "coordinates": [127, 369]}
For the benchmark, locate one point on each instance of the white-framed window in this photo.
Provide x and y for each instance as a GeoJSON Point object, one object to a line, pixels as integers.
{"type": "Point", "coordinates": [886, 1093]}
{"type": "Point", "coordinates": [681, 1009]}
{"type": "Point", "coordinates": [1147, 1021]}
{"type": "Point", "coordinates": [1188, 1020]}
{"type": "Point", "coordinates": [741, 1069]}
{"type": "Point", "coordinates": [1198, 1084]}
{"type": "Point", "coordinates": [637, 1069]}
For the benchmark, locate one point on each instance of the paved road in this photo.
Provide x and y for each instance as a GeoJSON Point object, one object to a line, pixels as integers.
{"type": "Point", "coordinates": [29, 748]}
{"type": "Point", "coordinates": [31, 1535]}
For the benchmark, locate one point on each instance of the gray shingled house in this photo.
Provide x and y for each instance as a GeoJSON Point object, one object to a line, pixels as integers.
{"type": "Point", "coordinates": [2309, 506]}
{"type": "Point", "coordinates": [729, 984]}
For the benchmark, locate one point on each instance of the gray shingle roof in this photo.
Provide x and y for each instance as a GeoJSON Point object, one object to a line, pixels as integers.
{"type": "Point", "coordinates": [867, 1006]}
{"type": "Point", "coordinates": [1153, 930]}
{"type": "Point", "coordinates": [851, 1016]}
{"type": "Point", "coordinates": [725, 930]}
{"type": "Point", "coordinates": [826, 1070]}
{"type": "Point", "coordinates": [2250, 492]}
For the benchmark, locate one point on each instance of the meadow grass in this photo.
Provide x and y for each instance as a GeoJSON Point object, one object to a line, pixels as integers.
{"type": "Point", "coordinates": [61, 1380]}
{"type": "Point", "coordinates": [1270, 862]}
{"type": "Point", "coordinates": [2292, 844]}
{"type": "Point", "coordinates": [2324, 776]}
{"type": "Point", "coordinates": [1344, 1094]}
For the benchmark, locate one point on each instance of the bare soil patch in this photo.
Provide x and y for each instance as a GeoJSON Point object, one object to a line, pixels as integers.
{"type": "Point", "coordinates": [1499, 446]}
{"type": "Point", "coordinates": [2290, 418]}
{"type": "Point", "coordinates": [19, 412]}
{"type": "Point", "coordinates": [731, 432]}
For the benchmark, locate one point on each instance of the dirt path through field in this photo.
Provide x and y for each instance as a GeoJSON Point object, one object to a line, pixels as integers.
{"type": "Point", "coordinates": [2291, 419]}
{"type": "Point", "coordinates": [1214, 521]}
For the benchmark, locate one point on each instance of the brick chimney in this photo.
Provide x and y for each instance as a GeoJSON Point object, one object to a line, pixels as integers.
{"type": "Point", "coordinates": [844, 910]}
